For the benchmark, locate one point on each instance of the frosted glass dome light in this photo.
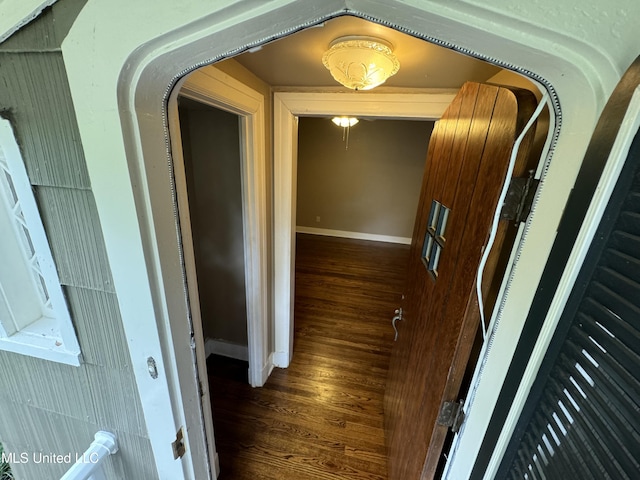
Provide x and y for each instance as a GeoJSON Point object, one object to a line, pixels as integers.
{"type": "Point", "coordinates": [360, 63]}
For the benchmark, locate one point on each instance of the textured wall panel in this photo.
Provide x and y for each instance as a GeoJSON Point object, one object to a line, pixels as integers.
{"type": "Point", "coordinates": [36, 94]}
{"type": "Point", "coordinates": [116, 399]}
{"type": "Point", "coordinates": [99, 327]}
{"type": "Point", "coordinates": [57, 434]}
{"type": "Point", "coordinates": [46, 406]}
{"type": "Point", "coordinates": [50, 386]}
{"type": "Point", "coordinates": [41, 35]}
{"type": "Point", "coordinates": [95, 394]}
{"type": "Point", "coordinates": [82, 400]}
{"type": "Point", "coordinates": [137, 457]}
{"type": "Point", "coordinates": [47, 31]}
{"type": "Point", "coordinates": [73, 228]}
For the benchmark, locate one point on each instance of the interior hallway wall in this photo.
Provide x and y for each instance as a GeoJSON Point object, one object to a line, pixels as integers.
{"type": "Point", "coordinates": [211, 145]}
{"type": "Point", "coordinates": [372, 187]}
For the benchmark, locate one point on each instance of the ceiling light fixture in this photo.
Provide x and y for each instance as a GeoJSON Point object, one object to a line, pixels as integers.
{"type": "Point", "coordinates": [346, 123]}
{"type": "Point", "coordinates": [360, 63]}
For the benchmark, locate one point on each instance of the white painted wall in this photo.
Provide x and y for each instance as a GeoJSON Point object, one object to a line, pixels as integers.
{"type": "Point", "coordinates": [121, 56]}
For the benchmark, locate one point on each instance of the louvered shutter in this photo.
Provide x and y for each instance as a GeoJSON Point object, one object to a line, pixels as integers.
{"type": "Point", "coordinates": [584, 416]}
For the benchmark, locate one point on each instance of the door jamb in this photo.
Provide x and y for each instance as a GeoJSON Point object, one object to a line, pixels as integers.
{"type": "Point", "coordinates": [287, 106]}
{"type": "Point", "coordinates": [212, 87]}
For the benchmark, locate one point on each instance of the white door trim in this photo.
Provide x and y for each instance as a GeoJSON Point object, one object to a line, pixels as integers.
{"type": "Point", "coordinates": [287, 106]}
{"type": "Point", "coordinates": [182, 207]}
{"type": "Point", "coordinates": [213, 87]}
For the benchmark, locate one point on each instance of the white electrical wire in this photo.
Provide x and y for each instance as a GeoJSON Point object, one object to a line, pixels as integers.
{"type": "Point", "coordinates": [496, 216]}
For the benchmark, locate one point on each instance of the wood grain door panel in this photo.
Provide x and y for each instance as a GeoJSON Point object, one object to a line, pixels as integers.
{"type": "Point", "coordinates": [466, 164]}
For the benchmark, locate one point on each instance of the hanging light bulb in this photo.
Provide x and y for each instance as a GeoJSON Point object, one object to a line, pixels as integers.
{"type": "Point", "coordinates": [346, 123]}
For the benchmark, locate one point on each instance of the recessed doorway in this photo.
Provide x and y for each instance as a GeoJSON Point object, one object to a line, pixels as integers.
{"type": "Point", "coordinates": [288, 105]}
{"type": "Point", "coordinates": [213, 165]}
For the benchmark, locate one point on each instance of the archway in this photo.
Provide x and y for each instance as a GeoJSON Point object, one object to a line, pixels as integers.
{"type": "Point", "coordinates": [146, 271]}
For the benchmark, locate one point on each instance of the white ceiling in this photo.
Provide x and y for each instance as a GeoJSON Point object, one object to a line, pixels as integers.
{"type": "Point", "coordinates": [296, 60]}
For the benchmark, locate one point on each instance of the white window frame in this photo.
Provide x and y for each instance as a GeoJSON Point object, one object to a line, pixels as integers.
{"type": "Point", "coordinates": [52, 336]}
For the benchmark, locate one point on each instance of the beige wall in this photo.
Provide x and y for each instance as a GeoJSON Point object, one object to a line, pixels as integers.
{"type": "Point", "coordinates": [371, 187]}
{"type": "Point", "coordinates": [211, 145]}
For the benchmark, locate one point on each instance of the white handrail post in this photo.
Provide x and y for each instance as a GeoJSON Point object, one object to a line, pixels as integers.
{"type": "Point", "coordinates": [87, 466]}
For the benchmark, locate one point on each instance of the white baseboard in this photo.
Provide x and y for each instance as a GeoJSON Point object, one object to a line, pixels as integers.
{"type": "Point", "coordinates": [280, 359]}
{"type": "Point", "coordinates": [356, 235]}
{"type": "Point", "coordinates": [226, 349]}
{"type": "Point", "coordinates": [268, 368]}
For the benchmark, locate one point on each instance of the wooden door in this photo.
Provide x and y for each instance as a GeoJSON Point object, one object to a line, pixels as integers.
{"type": "Point", "coordinates": [467, 162]}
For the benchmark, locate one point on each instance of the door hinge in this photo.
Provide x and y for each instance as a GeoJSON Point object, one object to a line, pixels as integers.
{"type": "Point", "coordinates": [178, 445]}
{"type": "Point", "coordinates": [451, 415]}
{"type": "Point", "coordinates": [519, 199]}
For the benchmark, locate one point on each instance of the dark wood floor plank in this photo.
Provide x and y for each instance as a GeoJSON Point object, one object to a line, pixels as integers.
{"type": "Point", "coordinates": [322, 418]}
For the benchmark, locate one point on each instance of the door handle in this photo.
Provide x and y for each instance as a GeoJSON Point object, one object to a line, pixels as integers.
{"type": "Point", "coordinates": [398, 316]}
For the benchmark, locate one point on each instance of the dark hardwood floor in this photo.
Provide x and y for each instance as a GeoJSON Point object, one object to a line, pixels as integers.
{"type": "Point", "coordinates": [322, 417]}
